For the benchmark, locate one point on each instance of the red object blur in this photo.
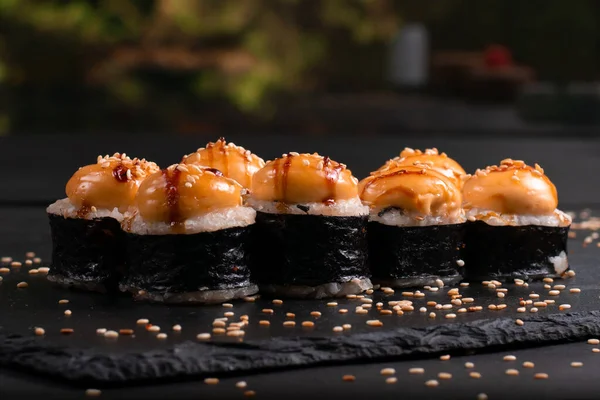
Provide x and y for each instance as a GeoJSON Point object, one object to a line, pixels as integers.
{"type": "Point", "coordinates": [497, 56]}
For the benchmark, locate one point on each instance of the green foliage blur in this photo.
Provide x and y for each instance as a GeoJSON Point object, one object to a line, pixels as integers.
{"type": "Point", "coordinates": [185, 65]}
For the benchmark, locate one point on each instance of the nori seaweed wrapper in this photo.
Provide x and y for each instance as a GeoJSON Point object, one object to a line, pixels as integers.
{"type": "Point", "coordinates": [87, 253]}
{"type": "Point", "coordinates": [180, 263]}
{"type": "Point", "coordinates": [415, 255]}
{"type": "Point", "coordinates": [509, 252]}
{"type": "Point", "coordinates": [310, 250]}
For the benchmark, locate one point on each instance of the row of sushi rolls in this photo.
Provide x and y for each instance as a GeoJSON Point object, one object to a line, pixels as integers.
{"type": "Point", "coordinates": [223, 224]}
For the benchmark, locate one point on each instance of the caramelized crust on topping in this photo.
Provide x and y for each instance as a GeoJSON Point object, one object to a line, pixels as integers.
{"type": "Point", "coordinates": [513, 187]}
{"type": "Point", "coordinates": [233, 161]}
{"type": "Point", "coordinates": [428, 158]}
{"type": "Point", "coordinates": [413, 189]}
{"type": "Point", "coordinates": [181, 191]}
{"type": "Point", "coordinates": [304, 178]}
{"type": "Point", "coordinates": [110, 183]}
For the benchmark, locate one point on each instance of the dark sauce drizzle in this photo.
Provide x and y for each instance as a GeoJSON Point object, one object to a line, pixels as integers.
{"type": "Point", "coordinates": [172, 190]}
{"type": "Point", "coordinates": [120, 173]}
{"type": "Point", "coordinates": [332, 174]}
{"type": "Point", "coordinates": [214, 171]}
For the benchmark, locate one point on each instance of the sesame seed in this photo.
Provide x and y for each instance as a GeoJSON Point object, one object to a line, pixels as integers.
{"type": "Point", "coordinates": [43, 270]}
{"type": "Point", "coordinates": [533, 310]}
{"type": "Point", "coordinates": [366, 300]}
{"type": "Point", "coordinates": [512, 372]}
{"type": "Point", "coordinates": [534, 296]}
{"type": "Point", "coordinates": [461, 310]}
{"type": "Point", "coordinates": [475, 375]}
{"type": "Point", "coordinates": [431, 303]}
{"type": "Point", "coordinates": [264, 322]}
{"type": "Point", "coordinates": [111, 334]}
{"type": "Point", "coordinates": [332, 304]}
{"type": "Point", "coordinates": [22, 285]}
{"type": "Point", "coordinates": [387, 371]}
{"type": "Point", "coordinates": [416, 371]}
{"type": "Point", "coordinates": [338, 329]}
{"type": "Point", "coordinates": [250, 299]}
{"type": "Point", "coordinates": [211, 381]}
{"type": "Point", "coordinates": [547, 287]}
{"type": "Point", "coordinates": [241, 384]}
{"type": "Point", "coordinates": [456, 302]}
{"type": "Point", "coordinates": [439, 282]}
{"type": "Point", "coordinates": [501, 306]}
{"type": "Point", "coordinates": [348, 378]}
{"type": "Point", "coordinates": [528, 364]}
{"type": "Point", "coordinates": [267, 311]}
{"type": "Point", "coordinates": [68, 313]}
{"type": "Point", "coordinates": [434, 289]}
{"type": "Point", "coordinates": [203, 336]}
{"type": "Point", "coordinates": [491, 286]}
{"type": "Point", "coordinates": [432, 383]}
{"type": "Point", "coordinates": [540, 304]}
{"type": "Point", "coordinates": [510, 358]}
{"type": "Point", "coordinates": [289, 323]}
{"type": "Point", "coordinates": [445, 357]}
{"type": "Point", "coordinates": [575, 290]}
{"type": "Point", "coordinates": [161, 336]}
{"type": "Point", "coordinates": [100, 331]}
{"type": "Point", "coordinates": [519, 322]}
{"type": "Point", "coordinates": [351, 296]}
{"type": "Point", "coordinates": [548, 280]}
{"type": "Point", "coordinates": [500, 294]}
{"type": "Point", "coordinates": [460, 263]}
{"type": "Point", "coordinates": [444, 375]}
{"type": "Point", "coordinates": [408, 294]}
{"type": "Point", "coordinates": [576, 364]}
{"type": "Point", "coordinates": [39, 331]}
{"type": "Point", "coordinates": [346, 326]}
{"type": "Point", "coordinates": [15, 264]}
{"type": "Point", "coordinates": [249, 393]}
{"type": "Point", "coordinates": [407, 308]}
{"type": "Point", "coordinates": [315, 313]}
{"type": "Point", "coordinates": [388, 291]}
{"type": "Point", "coordinates": [218, 331]}
{"type": "Point", "coordinates": [593, 341]}
{"type": "Point", "coordinates": [469, 365]}
{"type": "Point", "coordinates": [452, 291]}
{"type": "Point", "coordinates": [277, 302]}
{"type": "Point", "coordinates": [219, 324]}
{"type": "Point", "coordinates": [6, 259]}
{"type": "Point", "coordinates": [5, 270]}
{"type": "Point", "coordinates": [554, 292]}
{"type": "Point", "coordinates": [229, 314]}
{"type": "Point", "coordinates": [93, 392]}
{"type": "Point", "coordinates": [571, 273]}
{"type": "Point", "coordinates": [432, 315]}
{"type": "Point", "coordinates": [177, 328]}
{"type": "Point", "coordinates": [559, 287]}
{"type": "Point", "coordinates": [391, 380]}
{"type": "Point", "coordinates": [227, 305]}
{"type": "Point", "coordinates": [33, 271]}
{"type": "Point", "coordinates": [464, 284]}
{"type": "Point", "coordinates": [564, 307]}
{"type": "Point", "coordinates": [595, 350]}
{"type": "Point", "coordinates": [541, 375]}
{"type": "Point", "coordinates": [492, 307]}
{"type": "Point", "coordinates": [521, 309]}
{"type": "Point", "coordinates": [419, 295]}
{"type": "Point", "coordinates": [365, 306]}
{"type": "Point", "coordinates": [468, 300]}
{"type": "Point", "coordinates": [63, 301]}
{"type": "Point", "coordinates": [374, 322]}
{"type": "Point", "coordinates": [342, 311]}
{"type": "Point", "coordinates": [236, 333]}
{"type": "Point", "coordinates": [482, 396]}
{"type": "Point", "coordinates": [422, 309]}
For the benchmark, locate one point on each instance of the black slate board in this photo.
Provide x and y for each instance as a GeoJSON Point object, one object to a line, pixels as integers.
{"type": "Point", "coordinates": [181, 356]}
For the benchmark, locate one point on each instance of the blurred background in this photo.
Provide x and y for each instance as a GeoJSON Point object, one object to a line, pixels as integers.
{"type": "Point", "coordinates": [185, 67]}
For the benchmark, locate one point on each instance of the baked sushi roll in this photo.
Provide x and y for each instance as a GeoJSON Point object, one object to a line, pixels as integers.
{"type": "Point", "coordinates": [233, 161]}
{"type": "Point", "coordinates": [310, 238]}
{"type": "Point", "coordinates": [87, 242]}
{"type": "Point", "coordinates": [186, 239]}
{"type": "Point", "coordinates": [416, 226]}
{"type": "Point", "coordinates": [431, 158]}
{"type": "Point", "coordinates": [514, 229]}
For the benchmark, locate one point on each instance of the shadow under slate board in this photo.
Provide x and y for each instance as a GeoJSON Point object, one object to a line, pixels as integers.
{"type": "Point", "coordinates": [85, 357]}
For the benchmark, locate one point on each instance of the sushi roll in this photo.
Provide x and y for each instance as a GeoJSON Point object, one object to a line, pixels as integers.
{"type": "Point", "coordinates": [87, 242]}
{"type": "Point", "coordinates": [186, 238]}
{"type": "Point", "coordinates": [233, 161]}
{"type": "Point", "coordinates": [416, 226]}
{"type": "Point", "coordinates": [428, 158]}
{"type": "Point", "coordinates": [310, 237]}
{"type": "Point", "coordinates": [514, 229]}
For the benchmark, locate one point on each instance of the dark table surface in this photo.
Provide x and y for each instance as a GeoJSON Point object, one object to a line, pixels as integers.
{"type": "Point", "coordinates": [34, 170]}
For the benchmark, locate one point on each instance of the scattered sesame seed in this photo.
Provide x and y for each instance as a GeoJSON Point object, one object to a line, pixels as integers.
{"type": "Point", "coordinates": [475, 375]}
{"type": "Point", "coordinates": [445, 357]}
{"type": "Point", "coordinates": [559, 287]}
{"type": "Point", "coordinates": [419, 295]}
{"type": "Point", "coordinates": [554, 292]}
{"type": "Point", "coordinates": [348, 378]}
{"type": "Point", "coordinates": [460, 263]}
{"type": "Point", "coordinates": [528, 364]}
{"type": "Point", "coordinates": [111, 334]}
{"type": "Point", "coordinates": [308, 324]}
{"type": "Point", "coordinates": [576, 364]}
{"type": "Point", "coordinates": [241, 384]}
{"type": "Point", "coordinates": [15, 264]}
{"type": "Point", "coordinates": [432, 383]}
{"type": "Point", "coordinates": [422, 309]}
{"type": "Point", "coordinates": [211, 381]}
{"type": "Point", "coordinates": [63, 301]}
{"type": "Point", "coordinates": [6, 259]}
{"type": "Point", "coordinates": [431, 303]}
{"type": "Point", "coordinates": [387, 312]}
{"type": "Point", "coordinates": [351, 296]}
{"type": "Point", "coordinates": [142, 321]}
{"type": "Point", "coordinates": [491, 286]}
{"type": "Point", "coordinates": [468, 300]}
{"type": "Point", "coordinates": [219, 324]}
{"type": "Point", "coordinates": [444, 375]}
{"type": "Point", "coordinates": [564, 307]}
{"type": "Point", "coordinates": [461, 310]}
{"type": "Point", "coordinates": [533, 310]}
{"type": "Point", "coordinates": [236, 333]}
{"type": "Point", "coordinates": [575, 290]}
{"type": "Point", "coordinates": [366, 300]}
{"type": "Point", "coordinates": [68, 313]}
{"type": "Point", "coordinates": [365, 306]}
{"type": "Point", "coordinates": [249, 393]}
{"type": "Point", "coordinates": [534, 295]}
{"type": "Point", "coordinates": [500, 294]}
{"type": "Point", "coordinates": [267, 310]}
{"type": "Point", "coordinates": [387, 371]}
{"type": "Point", "coordinates": [391, 380]}
{"type": "Point", "coordinates": [374, 322]}
{"type": "Point", "coordinates": [250, 299]}
{"type": "Point", "coordinates": [5, 270]}
{"type": "Point", "coordinates": [37, 260]}
{"type": "Point", "coordinates": [469, 365]}
{"type": "Point", "coordinates": [227, 305]}
{"type": "Point", "coordinates": [549, 301]}
{"type": "Point", "coordinates": [332, 304]}
{"type": "Point", "coordinates": [593, 341]}
{"type": "Point", "coordinates": [100, 331]}
{"type": "Point", "coordinates": [342, 311]}
{"type": "Point", "coordinates": [346, 326]}
{"type": "Point", "coordinates": [289, 323]}
{"type": "Point", "coordinates": [277, 302]}
{"type": "Point", "coordinates": [177, 328]}
{"type": "Point", "coordinates": [512, 372]}
{"type": "Point", "coordinates": [571, 273]}
{"type": "Point", "coordinates": [43, 270]}
{"type": "Point", "coordinates": [501, 306]}
{"type": "Point", "coordinates": [203, 336]}
{"type": "Point", "coordinates": [519, 322]}
{"type": "Point", "coordinates": [229, 314]}
{"type": "Point", "coordinates": [338, 329]}
{"type": "Point", "coordinates": [432, 315]}
{"type": "Point", "coordinates": [541, 375]}
{"type": "Point", "coordinates": [540, 304]}
{"type": "Point", "coordinates": [218, 331]}
{"type": "Point", "coordinates": [22, 285]}
{"type": "Point", "coordinates": [510, 358]}
{"type": "Point", "coordinates": [521, 309]}
{"type": "Point", "coordinates": [482, 396]}
{"type": "Point", "coordinates": [369, 291]}
{"type": "Point", "coordinates": [30, 254]}
{"type": "Point", "coordinates": [264, 322]}
{"type": "Point", "coordinates": [315, 313]}
{"type": "Point", "coordinates": [547, 287]}
{"type": "Point", "coordinates": [39, 331]}
{"type": "Point", "coordinates": [33, 271]}
{"type": "Point", "coordinates": [548, 280]}
{"type": "Point", "coordinates": [93, 392]}
{"type": "Point", "coordinates": [416, 371]}
{"type": "Point", "coordinates": [407, 308]}
{"type": "Point", "coordinates": [492, 307]}
{"type": "Point", "coordinates": [464, 284]}
{"type": "Point", "coordinates": [161, 336]}
{"type": "Point", "coordinates": [434, 289]}
{"type": "Point", "coordinates": [595, 350]}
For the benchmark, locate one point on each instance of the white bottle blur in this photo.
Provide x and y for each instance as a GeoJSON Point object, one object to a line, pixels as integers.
{"type": "Point", "coordinates": [409, 57]}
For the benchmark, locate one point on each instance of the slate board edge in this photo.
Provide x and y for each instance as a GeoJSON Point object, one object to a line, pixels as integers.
{"type": "Point", "coordinates": [192, 360]}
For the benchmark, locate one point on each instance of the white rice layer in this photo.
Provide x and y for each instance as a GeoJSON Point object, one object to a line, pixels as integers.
{"type": "Point", "coordinates": [198, 297]}
{"type": "Point", "coordinates": [326, 290]}
{"type": "Point", "coordinates": [558, 218]}
{"type": "Point", "coordinates": [396, 217]}
{"type": "Point", "coordinates": [67, 209]}
{"type": "Point", "coordinates": [210, 222]}
{"type": "Point", "coordinates": [560, 263]}
{"type": "Point", "coordinates": [341, 208]}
